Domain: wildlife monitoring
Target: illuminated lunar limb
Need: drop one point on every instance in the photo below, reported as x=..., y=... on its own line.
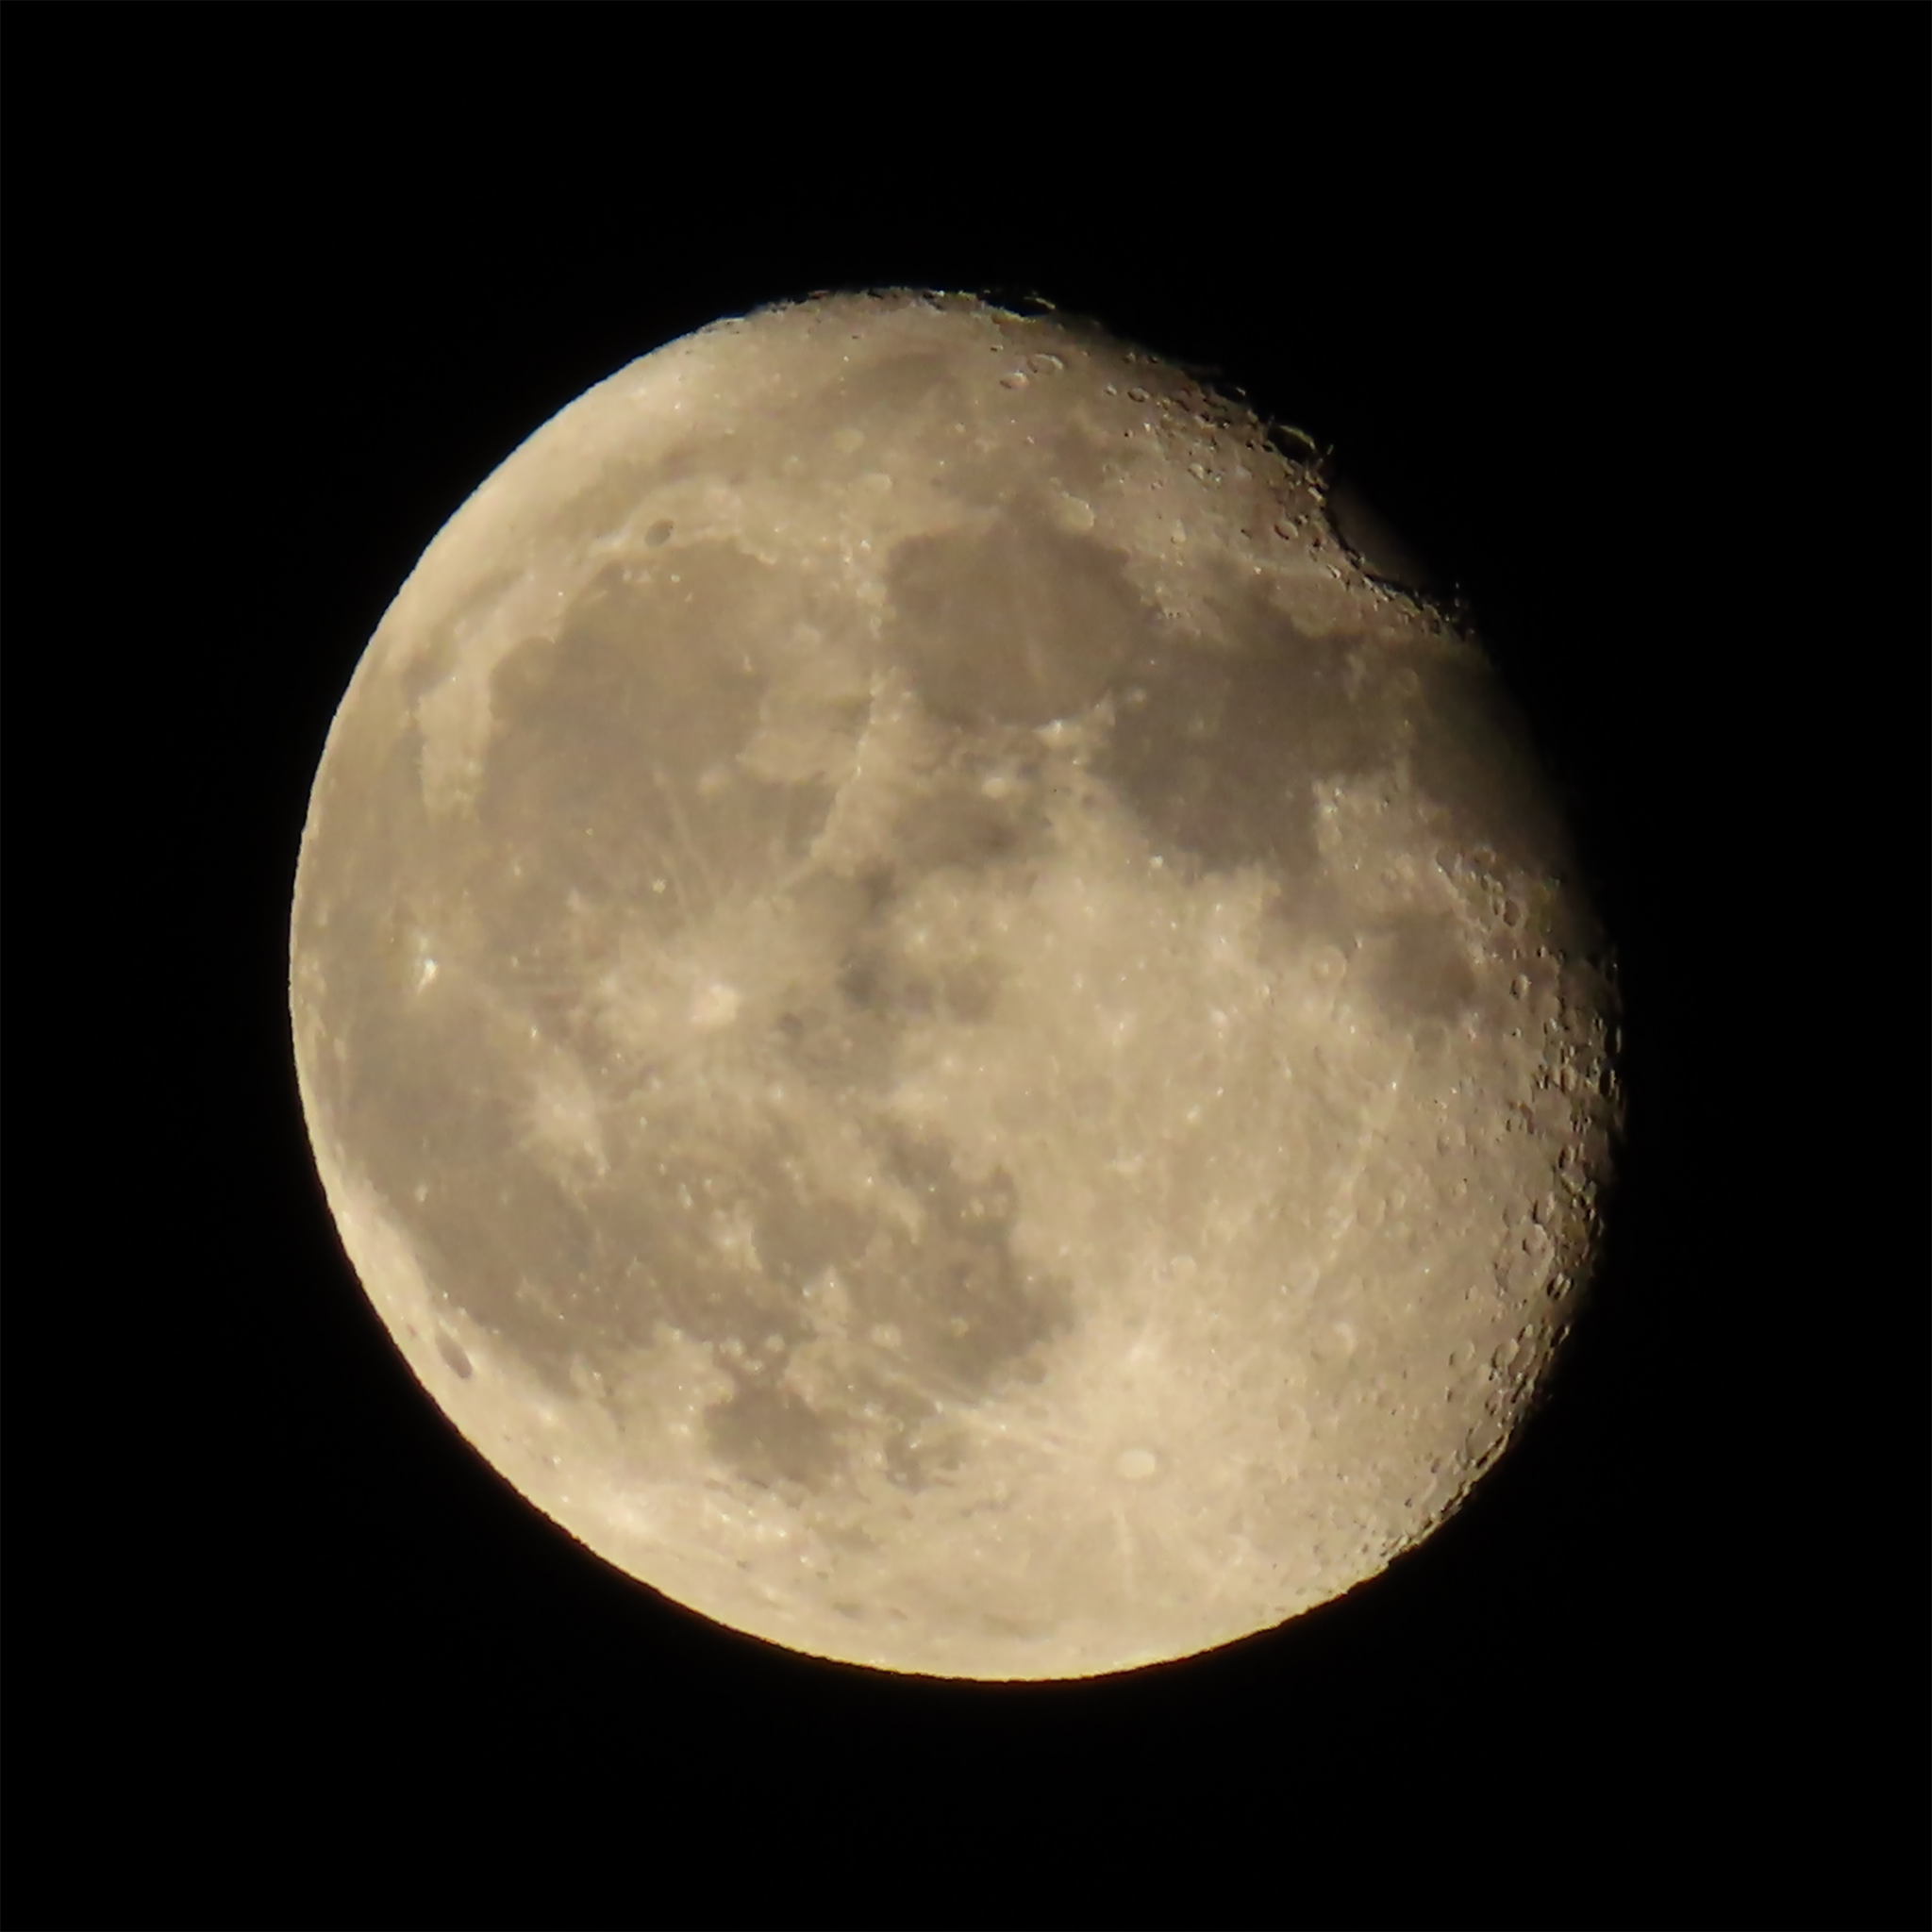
x=932, y=1018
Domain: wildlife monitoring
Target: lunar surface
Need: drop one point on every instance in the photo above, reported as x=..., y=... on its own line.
x=934, y=1017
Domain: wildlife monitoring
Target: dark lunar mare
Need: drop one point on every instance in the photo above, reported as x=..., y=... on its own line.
x=601, y=801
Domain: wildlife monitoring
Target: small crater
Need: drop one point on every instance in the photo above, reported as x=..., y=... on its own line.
x=451, y=1351
x=658, y=534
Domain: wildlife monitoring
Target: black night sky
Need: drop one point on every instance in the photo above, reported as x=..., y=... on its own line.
x=331, y=1571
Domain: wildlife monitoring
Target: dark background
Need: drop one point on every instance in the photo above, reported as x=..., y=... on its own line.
x=1523, y=383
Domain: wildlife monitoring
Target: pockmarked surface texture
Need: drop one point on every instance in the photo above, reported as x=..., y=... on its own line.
x=931, y=1018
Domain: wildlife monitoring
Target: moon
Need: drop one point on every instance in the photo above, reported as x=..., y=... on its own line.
x=938, y=1013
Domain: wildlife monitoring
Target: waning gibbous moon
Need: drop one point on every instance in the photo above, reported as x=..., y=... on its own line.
x=934, y=1018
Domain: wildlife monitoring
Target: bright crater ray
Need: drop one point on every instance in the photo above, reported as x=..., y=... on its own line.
x=930, y=1018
